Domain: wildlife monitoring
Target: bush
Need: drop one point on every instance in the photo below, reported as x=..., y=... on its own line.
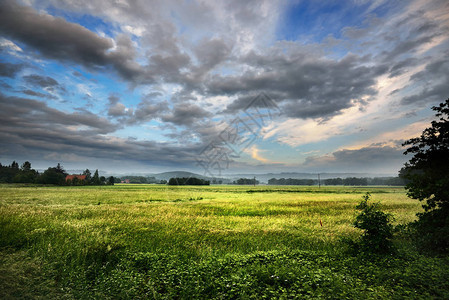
x=377, y=227
x=432, y=231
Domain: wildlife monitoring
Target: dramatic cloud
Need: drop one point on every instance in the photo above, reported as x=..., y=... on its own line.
x=156, y=82
x=26, y=113
x=372, y=159
x=56, y=38
x=436, y=77
x=186, y=114
x=41, y=130
x=9, y=70
x=306, y=88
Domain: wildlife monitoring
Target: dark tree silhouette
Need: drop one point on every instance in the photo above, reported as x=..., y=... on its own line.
x=428, y=175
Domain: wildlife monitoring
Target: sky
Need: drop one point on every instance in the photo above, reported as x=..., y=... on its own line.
x=219, y=87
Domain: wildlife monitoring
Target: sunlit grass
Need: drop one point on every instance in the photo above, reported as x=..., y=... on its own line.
x=220, y=219
x=83, y=230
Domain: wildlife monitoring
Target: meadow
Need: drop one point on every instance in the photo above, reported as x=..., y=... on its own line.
x=209, y=242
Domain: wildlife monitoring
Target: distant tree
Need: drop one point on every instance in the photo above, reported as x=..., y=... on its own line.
x=428, y=175
x=25, y=174
x=7, y=173
x=75, y=181
x=14, y=165
x=60, y=169
x=246, y=181
x=96, y=178
x=355, y=181
x=88, y=175
x=188, y=181
x=111, y=180
x=52, y=176
x=26, y=166
x=333, y=181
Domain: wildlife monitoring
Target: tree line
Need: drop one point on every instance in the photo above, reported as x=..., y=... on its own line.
x=352, y=181
x=141, y=179
x=188, y=181
x=14, y=173
x=246, y=181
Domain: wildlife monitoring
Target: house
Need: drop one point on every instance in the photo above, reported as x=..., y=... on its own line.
x=79, y=177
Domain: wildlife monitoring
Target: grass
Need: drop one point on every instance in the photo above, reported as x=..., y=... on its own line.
x=153, y=241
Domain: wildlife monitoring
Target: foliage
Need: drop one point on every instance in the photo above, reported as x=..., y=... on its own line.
x=292, y=181
x=88, y=175
x=141, y=179
x=376, y=225
x=188, y=181
x=96, y=178
x=111, y=180
x=53, y=176
x=246, y=181
x=427, y=172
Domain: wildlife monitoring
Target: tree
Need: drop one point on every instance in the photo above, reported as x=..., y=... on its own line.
x=427, y=172
x=111, y=180
x=52, y=176
x=96, y=178
x=26, y=166
x=60, y=169
x=88, y=175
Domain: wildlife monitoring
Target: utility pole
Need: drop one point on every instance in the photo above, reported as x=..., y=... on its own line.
x=319, y=181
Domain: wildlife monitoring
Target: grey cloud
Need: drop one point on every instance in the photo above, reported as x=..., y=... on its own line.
x=186, y=114
x=169, y=67
x=118, y=110
x=211, y=53
x=9, y=70
x=5, y=86
x=30, y=129
x=373, y=158
x=407, y=46
x=113, y=99
x=402, y=66
x=435, y=77
x=58, y=39
x=147, y=110
x=37, y=94
x=409, y=33
x=42, y=81
x=305, y=88
x=21, y=112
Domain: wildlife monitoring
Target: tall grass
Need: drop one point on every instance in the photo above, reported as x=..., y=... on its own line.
x=93, y=240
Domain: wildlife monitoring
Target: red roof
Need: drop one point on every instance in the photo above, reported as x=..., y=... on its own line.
x=71, y=177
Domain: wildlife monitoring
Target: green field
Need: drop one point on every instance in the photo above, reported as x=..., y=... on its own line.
x=155, y=241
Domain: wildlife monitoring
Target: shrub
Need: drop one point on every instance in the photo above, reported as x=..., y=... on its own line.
x=376, y=226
